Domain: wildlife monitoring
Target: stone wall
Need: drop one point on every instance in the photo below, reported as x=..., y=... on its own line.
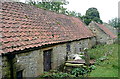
x=58, y=55
x=31, y=63
x=8, y=66
x=5, y=67
x=101, y=36
x=0, y=66
x=92, y=42
x=78, y=46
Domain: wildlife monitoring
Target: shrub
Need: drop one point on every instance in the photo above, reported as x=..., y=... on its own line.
x=79, y=71
x=92, y=67
x=55, y=74
x=60, y=75
x=45, y=75
x=83, y=57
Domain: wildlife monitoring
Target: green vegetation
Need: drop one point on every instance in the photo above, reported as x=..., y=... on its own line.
x=55, y=74
x=82, y=71
x=106, y=60
x=56, y=6
x=106, y=65
x=92, y=14
x=74, y=72
x=115, y=22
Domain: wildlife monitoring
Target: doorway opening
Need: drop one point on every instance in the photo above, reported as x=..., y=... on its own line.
x=47, y=60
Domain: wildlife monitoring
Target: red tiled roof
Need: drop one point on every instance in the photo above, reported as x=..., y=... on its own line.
x=106, y=30
x=23, y=26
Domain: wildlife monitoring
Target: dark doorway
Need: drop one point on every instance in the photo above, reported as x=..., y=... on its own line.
x=19, y=74
x=47, y=60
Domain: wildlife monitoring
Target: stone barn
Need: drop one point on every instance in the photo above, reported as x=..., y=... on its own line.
x=102, y=33
x=34, y=40
x=111, y=28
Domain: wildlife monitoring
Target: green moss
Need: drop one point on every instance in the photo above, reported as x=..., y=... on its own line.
x=58, y=22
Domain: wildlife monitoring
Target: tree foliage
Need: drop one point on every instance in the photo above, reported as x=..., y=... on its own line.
x=10, y=0
x=73, y=13
x=92, y=14
x=115, y=22
x=52, y=5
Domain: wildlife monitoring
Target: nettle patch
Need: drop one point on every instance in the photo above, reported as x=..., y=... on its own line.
x=75, y=72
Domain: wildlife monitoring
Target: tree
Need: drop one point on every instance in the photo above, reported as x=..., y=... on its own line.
x=52, y=5
x=86, y=19
x=10, y=0
x=73, y=13
x=115, y=22
x=92, y=14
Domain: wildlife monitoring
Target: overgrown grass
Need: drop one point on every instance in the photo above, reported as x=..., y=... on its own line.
x=108, y=67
